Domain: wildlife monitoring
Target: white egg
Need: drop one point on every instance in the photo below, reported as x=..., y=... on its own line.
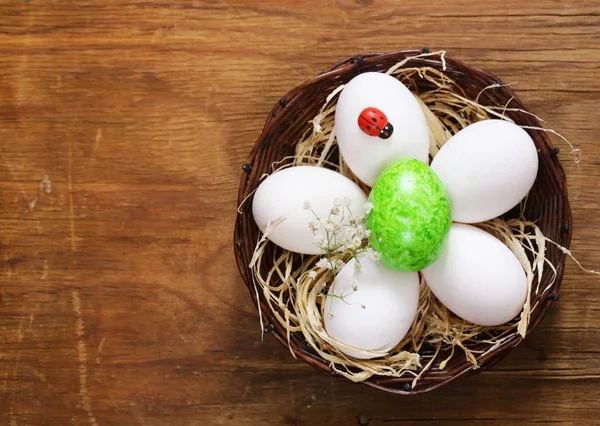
x=477, y=277
x=377, y=310
x=487, y=168
x=286, y=193
x=367, y=155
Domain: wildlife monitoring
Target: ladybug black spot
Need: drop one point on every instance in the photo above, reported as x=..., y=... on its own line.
x=374, y=119
x=368, y=127
x=381, y=118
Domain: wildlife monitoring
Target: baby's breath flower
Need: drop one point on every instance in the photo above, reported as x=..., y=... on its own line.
x=357, y=242
x=360, y=232
x=337, y=202
x=349, y=243
x=368, y=206
x=329, y=227
x=312, y=275
x=349, y=234
x=373, y=255
x=323, y=263
x=337, y=227
x=357, y=266
x=352, y=220
x=314, y=225
x=367, y=233
x=306, y=205
x=379, y=239
x=335, y=211
x=339, y=264
x=347, y=201
x=320, y=241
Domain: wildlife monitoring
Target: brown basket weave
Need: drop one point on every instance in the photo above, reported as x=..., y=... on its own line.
x=547, y=204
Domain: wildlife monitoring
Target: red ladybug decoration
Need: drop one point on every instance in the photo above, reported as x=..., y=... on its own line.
x=374, y=123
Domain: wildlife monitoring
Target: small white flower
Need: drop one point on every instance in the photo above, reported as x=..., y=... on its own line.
x=337, y=227
x=373, y=255
x=306, y=205
x=312, y=275
x=368, y=206
x=335, y=211
x=360, y=232
x=329, y=227
x=314, y=225
x=357, y=242
x=330, y=315
x=337, y=201
x=323, y=263
x=379, y=239
x=357, y=266
x=367, y=233
x=351, y=220
x=349, y=242
x=347, y=201
x=339, y=264
x=363, y=306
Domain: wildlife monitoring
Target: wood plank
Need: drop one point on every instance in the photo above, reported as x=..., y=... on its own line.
x=123, y=126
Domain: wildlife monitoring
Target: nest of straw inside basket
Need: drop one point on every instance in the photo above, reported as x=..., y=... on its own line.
x=297, y=300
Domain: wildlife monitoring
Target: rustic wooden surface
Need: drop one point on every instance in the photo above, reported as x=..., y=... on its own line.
x=123, y=125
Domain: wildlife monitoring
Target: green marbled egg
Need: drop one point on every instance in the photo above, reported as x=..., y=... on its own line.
x=411, y=216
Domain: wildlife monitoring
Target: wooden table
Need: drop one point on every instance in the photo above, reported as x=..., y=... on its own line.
x=123, y=126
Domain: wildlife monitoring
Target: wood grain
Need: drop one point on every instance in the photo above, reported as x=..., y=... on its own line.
x=123, y=125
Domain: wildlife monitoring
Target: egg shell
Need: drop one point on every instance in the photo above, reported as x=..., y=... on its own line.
x=487, y=168
x=284, y=193
x=390, y=299
x=410, y=216
x=477, y=277
x=367, y=156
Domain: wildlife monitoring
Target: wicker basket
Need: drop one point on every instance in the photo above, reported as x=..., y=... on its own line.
x=289, y=119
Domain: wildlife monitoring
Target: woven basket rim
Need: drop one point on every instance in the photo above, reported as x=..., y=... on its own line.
x=356, y=64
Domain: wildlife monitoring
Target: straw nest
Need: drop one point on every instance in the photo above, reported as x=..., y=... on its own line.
x=439, y=346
